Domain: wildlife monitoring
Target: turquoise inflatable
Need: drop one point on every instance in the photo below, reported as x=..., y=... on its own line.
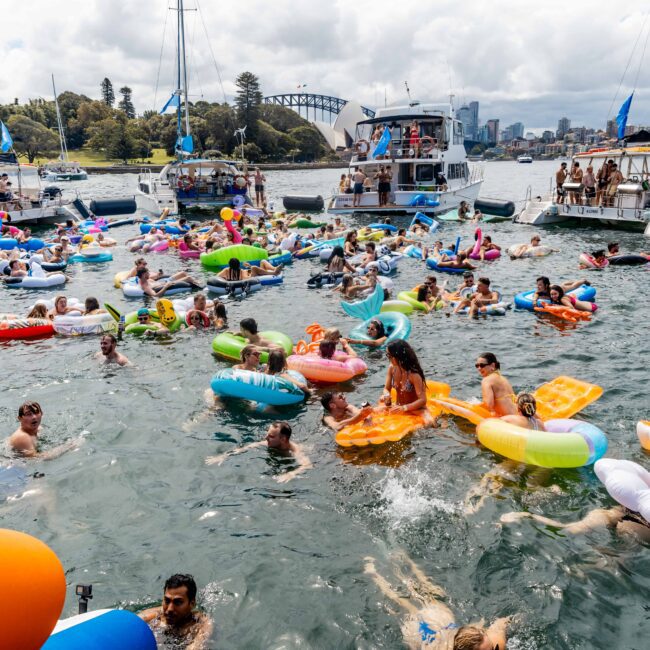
x=258, y=386
x=396, y=324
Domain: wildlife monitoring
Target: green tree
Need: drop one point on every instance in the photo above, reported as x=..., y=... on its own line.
x=126, y=104
x=477, y=150
x=309, y=141
x=281, y=118
x=247, y=101
x=220, y=128
x=108, y=96
x=31, y=139
x=252, y=152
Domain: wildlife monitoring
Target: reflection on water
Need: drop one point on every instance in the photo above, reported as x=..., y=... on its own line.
x=281, y=566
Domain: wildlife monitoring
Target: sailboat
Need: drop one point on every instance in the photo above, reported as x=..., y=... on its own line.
x=62, y=169
x=189, y=183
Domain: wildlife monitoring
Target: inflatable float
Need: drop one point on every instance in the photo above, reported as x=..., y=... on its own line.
x=492, y=254
x=565, y=443
x=258, y=387
x=627, y=483
x=341, y=367
x=241, y=287
x=25, y=328
x=524, y=299
x=630, y=260
x=396, y=326
x=643, y=433
x=230, y=346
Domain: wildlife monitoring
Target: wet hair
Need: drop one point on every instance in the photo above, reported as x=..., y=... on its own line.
x=326, y=349
x=526, y=405
x=249, y=324
x=209, y=245
x=559, y=289
x=350, y=236
x=140, y=272
x=490, y=358
x=220, y=310
x=612, y=245
x=140, y=260
x=545, y=281
x=337, y=251
x=285, y=428
x=91, y=304
x=422, y=292
x=487, y=238
x=111, y=337
x=598, y=253
x=235, y=267
x=405, y=356
x=277, y=362
x=402, y=232
x=381, y=330
x=29, y=408
x=179, y=580
x=331, y=333
x=38, y=311
x=326, y=400
x=485, y=281
x=469, y=637
x=246, y=350
x=347, y=281
x=371, y=245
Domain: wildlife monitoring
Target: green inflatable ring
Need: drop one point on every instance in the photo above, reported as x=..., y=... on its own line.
x=229, y=345
x=411, y=298
x=133, y=327
x=219, y=259
x=305, y=223
x=401, y=306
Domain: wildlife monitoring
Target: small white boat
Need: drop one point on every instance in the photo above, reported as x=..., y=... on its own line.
x=524, y=158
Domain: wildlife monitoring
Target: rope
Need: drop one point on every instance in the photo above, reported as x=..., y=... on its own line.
x=214, y=60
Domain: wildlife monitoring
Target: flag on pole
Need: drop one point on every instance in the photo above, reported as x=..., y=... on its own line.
x=621, y=118
x=173, y=102
x=382, y=145
x=6, y=142
x=185, y=143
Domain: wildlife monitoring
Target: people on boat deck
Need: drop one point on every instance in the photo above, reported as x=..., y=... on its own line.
x=576, y=177
x=589, y=183
x=383, y=178
x=358, y=178
x=429, y=623
x=602, y=179
x=526, y=416
x=277, y=440
x=560, y=177
x=338, y=413
x=498, y=396
x=615, y=179
x=108, y=351
x=177, y=620
x=441, y=182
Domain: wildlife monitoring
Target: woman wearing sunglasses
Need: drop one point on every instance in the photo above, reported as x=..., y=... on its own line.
x=498, y=395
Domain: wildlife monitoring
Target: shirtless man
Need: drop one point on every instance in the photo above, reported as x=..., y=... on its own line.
x=278, y=439
x=481, y=298
x=24, y=439
x=560, y=177
x=358, y=177
x=248, y=329
x=429, y=623
x=498, y=395
x=157, y=291
x=109, y=353
x=468, y=283
x=177, y=617
x=339, y=414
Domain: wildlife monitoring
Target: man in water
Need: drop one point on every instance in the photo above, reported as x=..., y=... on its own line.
x=177, y=616
x=481, y=298
x=109, y=353
x=339, y=414
x=249, y=330
x=24, y=439
x=278, y=438
x=155, y=328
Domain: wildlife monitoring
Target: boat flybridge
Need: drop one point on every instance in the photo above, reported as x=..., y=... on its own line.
x=191, y=184
x=625, y=206
x=420, y=147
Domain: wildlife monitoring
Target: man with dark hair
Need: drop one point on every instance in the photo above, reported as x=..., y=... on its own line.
x=249, y=330
x=482, y=297
x=177, y=616
x=339, y=414
x=109, y=353
x=24, y=439
x=278, y=439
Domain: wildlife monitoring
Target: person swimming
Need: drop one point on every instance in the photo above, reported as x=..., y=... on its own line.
x=498, y=395
x=527, y=414
x=376, y=333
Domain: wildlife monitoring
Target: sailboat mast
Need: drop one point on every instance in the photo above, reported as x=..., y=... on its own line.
x=64, y=148
x=179, y=129
x=182, y=37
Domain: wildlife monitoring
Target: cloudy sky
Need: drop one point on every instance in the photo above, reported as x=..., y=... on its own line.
x=524, y=61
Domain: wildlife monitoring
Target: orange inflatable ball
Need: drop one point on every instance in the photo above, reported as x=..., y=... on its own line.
x=226, y=214
x=34, y=577
x=236, y=215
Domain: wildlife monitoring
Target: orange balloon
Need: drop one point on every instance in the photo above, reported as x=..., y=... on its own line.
x=34, y=577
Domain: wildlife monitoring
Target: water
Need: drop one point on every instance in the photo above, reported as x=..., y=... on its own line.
x=281, y=565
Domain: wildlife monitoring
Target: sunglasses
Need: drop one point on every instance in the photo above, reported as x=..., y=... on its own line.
x=143, y=318
x=481, y=365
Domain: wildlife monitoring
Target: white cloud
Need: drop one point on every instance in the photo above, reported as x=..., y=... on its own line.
x=532, y=62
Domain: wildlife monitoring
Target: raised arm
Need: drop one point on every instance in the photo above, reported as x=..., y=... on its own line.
x=217, y=460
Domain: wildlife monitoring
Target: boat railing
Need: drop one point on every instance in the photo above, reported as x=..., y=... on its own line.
x=427, y=149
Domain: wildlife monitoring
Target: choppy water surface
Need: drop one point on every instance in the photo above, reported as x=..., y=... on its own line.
x=281, y=565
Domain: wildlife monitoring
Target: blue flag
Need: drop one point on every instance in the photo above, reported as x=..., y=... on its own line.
x=5, y=141
x=187, y=144
x=621, y=118
x=382, y=145
x=173, y=102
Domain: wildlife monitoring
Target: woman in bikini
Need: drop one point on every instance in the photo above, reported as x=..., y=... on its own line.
x=527, y=414
x=406, y=377
x=498, y=395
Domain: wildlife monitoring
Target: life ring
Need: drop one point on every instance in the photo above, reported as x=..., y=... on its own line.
x=205, y=319
x=358, y=146
x=185, y=183
x=240, y=182
x=427, y=144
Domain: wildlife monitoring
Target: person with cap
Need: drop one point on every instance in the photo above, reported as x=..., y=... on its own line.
x=155, y=328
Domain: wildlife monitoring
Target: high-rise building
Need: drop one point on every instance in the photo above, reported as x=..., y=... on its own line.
x=492, y=130
x=548, y=136
x=563, y=126
x=473, y=111
x=468, y=115
x=612, y=129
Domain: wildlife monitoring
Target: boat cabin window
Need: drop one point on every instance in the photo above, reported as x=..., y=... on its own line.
x=459, y=137
x=424, y=173
x=457, y=170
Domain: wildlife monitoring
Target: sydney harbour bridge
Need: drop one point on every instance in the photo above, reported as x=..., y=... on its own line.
x=323, y=104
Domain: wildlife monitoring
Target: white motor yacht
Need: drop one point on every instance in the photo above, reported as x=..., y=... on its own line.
x=423, y=157
x=524, y=158
x=626, y=205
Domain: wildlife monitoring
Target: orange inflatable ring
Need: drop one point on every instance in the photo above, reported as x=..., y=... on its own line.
x=185, y=183
x=427, y=143
x=358, y=147
x=34, y=577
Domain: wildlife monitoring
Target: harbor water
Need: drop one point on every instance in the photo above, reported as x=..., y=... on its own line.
x=282, y=565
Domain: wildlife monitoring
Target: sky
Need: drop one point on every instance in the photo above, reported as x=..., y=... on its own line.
x=532, y=62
